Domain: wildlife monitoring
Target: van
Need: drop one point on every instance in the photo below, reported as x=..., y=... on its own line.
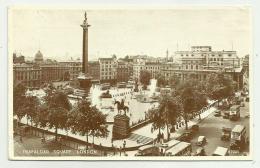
x=234, y=112
x=220, y=151
x=238, y=137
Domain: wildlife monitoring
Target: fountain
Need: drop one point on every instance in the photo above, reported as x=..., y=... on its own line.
x=149, y=96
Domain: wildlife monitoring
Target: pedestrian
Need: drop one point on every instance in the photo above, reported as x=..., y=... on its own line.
x=124, y=144
x=120, y=150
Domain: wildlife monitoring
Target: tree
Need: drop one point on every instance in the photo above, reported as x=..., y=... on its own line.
x=161, y=82
x=188, y=101
x=157, y=119
x=192, y=96
x=171, y=109
x=32, y=104
x=87, y=120
x=42, y=117
x=18, y=101
x=174, y=81
x=98, y=124
x=58, y=106
x=219, y=86
x=167, y=113
x=145, y=77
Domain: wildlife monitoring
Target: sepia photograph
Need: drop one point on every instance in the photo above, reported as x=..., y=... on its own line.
x=130, y=83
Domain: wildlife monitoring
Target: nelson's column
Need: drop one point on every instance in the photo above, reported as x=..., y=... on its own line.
x=84, y=77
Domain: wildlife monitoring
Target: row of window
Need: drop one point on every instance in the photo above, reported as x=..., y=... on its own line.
x=107, y=73
x=192, y=66
x=216, y=59
x=213, y=55
x=107, y=77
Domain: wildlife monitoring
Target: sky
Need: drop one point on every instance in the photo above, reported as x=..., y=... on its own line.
x=57, y=32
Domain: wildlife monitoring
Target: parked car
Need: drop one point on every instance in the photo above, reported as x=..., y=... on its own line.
x=226, y=115
x=242, y=104
x=235, y=146
x=201, y=141
x=200, y=152
x=217, y=113
x=226, y=134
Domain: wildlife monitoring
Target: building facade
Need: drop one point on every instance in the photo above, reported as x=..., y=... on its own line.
x=53, y=72
x=28, y=75
x=154, y=67
x=34, y=75
x=123, y=71
x=108, y=70
x=94, y=70
x=74, y=66
x=201, y=61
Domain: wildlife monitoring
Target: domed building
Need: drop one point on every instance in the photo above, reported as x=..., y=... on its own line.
x=38, y=58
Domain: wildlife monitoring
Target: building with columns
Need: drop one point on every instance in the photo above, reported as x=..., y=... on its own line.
x=201, y=61
x=27, y=74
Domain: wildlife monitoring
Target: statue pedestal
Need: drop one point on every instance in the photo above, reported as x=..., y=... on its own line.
x=85, y=82
x=121, y=127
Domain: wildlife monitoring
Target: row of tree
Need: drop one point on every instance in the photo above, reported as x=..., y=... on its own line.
x=55, y=111
x=188, y=97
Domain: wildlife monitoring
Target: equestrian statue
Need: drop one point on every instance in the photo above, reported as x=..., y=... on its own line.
x=121, y=106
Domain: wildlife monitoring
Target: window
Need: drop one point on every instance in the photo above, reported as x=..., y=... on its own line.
x=229, y=55
x=192, y=55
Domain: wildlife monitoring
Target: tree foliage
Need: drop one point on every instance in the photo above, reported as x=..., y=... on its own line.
x=219, y=86
x=192, y=97
x=18, y=100
x=32, y=104
x=161, y=81
x=58, y=107
x=167, y=113
x=87, y=120
x=145, y=77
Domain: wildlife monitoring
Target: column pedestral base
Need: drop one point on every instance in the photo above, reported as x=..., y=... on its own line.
x=121, y=128
x=85, y=81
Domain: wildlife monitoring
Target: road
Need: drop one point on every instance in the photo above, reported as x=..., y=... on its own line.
x=211, y=128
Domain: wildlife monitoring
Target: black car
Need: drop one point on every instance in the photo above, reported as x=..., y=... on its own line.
x=217, y=113
x=226, y=115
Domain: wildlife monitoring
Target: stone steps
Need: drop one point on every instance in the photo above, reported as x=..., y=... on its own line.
x=142, y=139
